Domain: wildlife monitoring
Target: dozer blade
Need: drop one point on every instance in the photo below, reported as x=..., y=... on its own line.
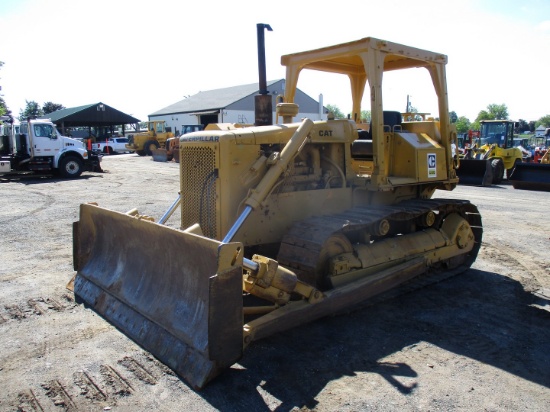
x=176, y=294
x=475, y=172
x=531, y=176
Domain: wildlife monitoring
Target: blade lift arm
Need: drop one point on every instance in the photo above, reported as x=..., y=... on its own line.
x=263, y=276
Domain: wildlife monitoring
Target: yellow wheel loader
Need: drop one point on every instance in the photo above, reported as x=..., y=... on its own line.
x=171, y=148
x=283, y=224
x=144, y=143
x=490, y=155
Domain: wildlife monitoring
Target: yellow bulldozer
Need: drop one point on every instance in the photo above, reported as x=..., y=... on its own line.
x=143, y=143
x=285, y=223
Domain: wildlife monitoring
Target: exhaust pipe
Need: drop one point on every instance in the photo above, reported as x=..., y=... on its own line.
x=263, y=106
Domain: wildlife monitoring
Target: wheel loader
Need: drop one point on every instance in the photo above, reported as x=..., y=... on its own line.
x=490, y=155
x=154, y=137
x=284, y=224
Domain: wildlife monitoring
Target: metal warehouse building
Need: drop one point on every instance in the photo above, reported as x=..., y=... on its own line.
x=232, y=105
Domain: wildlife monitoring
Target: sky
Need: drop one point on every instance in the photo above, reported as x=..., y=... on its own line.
x=141, y=56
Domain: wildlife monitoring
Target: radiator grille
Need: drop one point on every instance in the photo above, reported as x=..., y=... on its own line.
x=198, y=189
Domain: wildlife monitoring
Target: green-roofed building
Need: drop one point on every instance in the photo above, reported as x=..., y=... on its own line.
x=96, y=115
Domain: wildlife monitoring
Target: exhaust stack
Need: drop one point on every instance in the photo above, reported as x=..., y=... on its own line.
x=263, y=106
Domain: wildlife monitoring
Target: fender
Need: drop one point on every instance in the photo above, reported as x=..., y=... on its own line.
x=81, y=153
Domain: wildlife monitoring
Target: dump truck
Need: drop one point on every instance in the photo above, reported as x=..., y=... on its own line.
x=143, y=143
x=491, y=154
x=284, y=224
x=36, y=147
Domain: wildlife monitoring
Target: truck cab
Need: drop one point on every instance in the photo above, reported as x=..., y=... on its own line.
x=500, y=132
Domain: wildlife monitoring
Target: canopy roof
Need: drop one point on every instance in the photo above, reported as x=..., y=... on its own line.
x=348, y=58
x=96, y=114
x=367, y=59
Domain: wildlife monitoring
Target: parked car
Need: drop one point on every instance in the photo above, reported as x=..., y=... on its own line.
x=112, y=145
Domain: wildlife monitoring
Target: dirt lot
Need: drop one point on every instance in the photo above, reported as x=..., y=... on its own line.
x=478, y=341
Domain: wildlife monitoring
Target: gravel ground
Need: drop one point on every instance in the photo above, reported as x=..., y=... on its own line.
x=478, y=341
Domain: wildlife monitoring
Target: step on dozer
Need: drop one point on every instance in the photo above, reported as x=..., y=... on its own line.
x=475, y=172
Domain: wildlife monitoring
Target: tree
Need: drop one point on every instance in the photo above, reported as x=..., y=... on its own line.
x=335, y=110
x=4, y=111
x=493, y=112
x=462, y=124
x=366, y=116
x=32, y=110
x=544, y=121
x=498, y=111
x=453, y=116
x=3, y=107
x=50, y=107
x=523, y=126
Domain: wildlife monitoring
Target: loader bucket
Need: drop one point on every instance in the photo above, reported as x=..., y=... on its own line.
x=176, y=294
x=531, y=176
x=159, y=155
x=475, y=172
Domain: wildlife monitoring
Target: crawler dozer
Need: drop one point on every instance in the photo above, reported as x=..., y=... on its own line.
x=284, y=224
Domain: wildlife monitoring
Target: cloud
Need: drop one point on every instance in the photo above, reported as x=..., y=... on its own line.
x=543, y=26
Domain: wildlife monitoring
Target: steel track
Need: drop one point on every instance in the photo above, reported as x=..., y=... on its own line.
x=303, y=245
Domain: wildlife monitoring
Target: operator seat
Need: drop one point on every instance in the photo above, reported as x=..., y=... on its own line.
x=362, y=147
x=392, y=119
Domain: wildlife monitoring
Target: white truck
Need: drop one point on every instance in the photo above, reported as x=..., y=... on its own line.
x=111, y=145
x=39, y=147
